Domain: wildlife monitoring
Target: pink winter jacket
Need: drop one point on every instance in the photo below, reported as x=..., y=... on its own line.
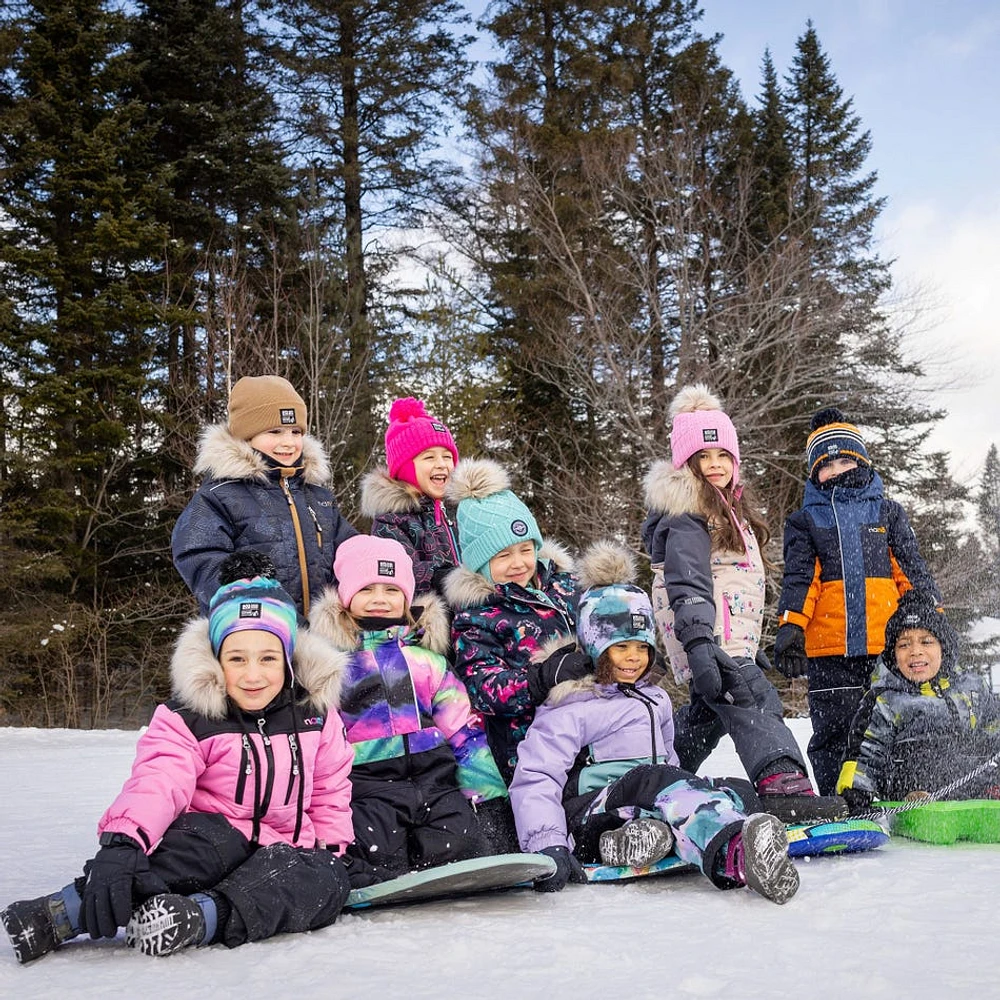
x=282, y=774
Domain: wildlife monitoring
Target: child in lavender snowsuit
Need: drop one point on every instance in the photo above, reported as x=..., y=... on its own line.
x=232, y=824
x=426, y=789
x=508, y=599
x=597, y=776
x=405, y=499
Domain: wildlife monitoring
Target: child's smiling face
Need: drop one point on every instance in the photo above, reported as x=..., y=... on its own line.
x=629, y=660
x=432, y=469
x=918, y=654
x=378, y=600
x=514, y=564
x=253, y=666
x=716, y=465
x=283, y=444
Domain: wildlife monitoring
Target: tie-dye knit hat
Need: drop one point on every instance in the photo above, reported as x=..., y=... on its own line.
x=833, y=437
x=612, y=608
x=413, y=430
x=698, y=423
x=252, y=602
x=490, y=517
x=362, y=560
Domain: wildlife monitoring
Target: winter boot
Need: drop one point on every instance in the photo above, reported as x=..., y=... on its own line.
x=37, y=926
x=758, y=858
x=638, y=843
x=790, y=796
x=165, y=924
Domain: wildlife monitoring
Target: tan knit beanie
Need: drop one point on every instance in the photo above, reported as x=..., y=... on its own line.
x=260, y=402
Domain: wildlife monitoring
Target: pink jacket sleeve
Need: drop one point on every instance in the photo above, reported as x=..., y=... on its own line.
x=330, y=804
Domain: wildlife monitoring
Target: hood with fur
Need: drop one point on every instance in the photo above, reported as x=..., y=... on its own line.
x=222, y=456
x=465, y=589
x=381, y=494
x=334, y=623
x=671, y=491
x=198, y=682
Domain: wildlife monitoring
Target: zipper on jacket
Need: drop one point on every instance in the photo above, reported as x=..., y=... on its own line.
x=265, y=800
x=317, y=526
x=630, y=691
x=246, y=769
x=293, y=747
x=299, y=544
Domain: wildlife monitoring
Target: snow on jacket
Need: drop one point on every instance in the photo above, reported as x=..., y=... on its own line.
x=698, y=591
x=400, y=699
x=424, y=526
x=584, y=737
x=922, y=736
x=850, y=554
x=495, y=630
x=250, y=502
x=278, y=775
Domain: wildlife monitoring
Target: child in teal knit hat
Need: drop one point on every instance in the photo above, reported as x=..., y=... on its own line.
x=511, y=595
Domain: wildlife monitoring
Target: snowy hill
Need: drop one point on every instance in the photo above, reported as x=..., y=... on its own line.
x=908, y=920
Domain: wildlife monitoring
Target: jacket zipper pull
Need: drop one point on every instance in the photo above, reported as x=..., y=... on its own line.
x=287, y=492
x=317, y=525
x=294, y=747
x=261, y=722
x=246, y=749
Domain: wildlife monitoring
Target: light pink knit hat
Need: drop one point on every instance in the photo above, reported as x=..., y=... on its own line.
x=413, y=430
x=699, y=422
x=362, y=560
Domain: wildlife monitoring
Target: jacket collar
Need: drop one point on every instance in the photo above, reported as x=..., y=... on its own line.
x=222, y=456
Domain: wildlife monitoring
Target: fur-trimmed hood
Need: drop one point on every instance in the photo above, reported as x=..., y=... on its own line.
x=222, y=456
x=671, y=491
x=464, y=588
x=381, y=494
x=334, y=623
x=198, y=683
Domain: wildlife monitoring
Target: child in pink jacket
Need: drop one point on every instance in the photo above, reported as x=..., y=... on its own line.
x=232, y=823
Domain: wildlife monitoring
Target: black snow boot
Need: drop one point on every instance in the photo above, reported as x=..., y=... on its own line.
x=36, y=926
x=165, y=924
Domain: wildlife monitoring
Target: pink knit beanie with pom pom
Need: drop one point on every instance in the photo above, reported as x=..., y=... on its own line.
x=413, y=430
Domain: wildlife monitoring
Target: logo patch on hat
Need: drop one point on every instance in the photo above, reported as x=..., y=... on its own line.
x=250, y=609
x=710, y=434
x=833, y=451
x=287, y=415
x=440, y=428
x=638, y=622
x=386, y=567
x=518, y=528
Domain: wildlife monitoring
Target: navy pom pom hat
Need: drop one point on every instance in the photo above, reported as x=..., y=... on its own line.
x=833, y=437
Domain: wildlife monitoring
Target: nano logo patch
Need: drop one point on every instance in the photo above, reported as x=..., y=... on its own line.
x=518, y=528
x=386, y=567
x=314, y=720
x=877, y=529
x=833, y=451
x=710, y=434
x=287, y=415
x=250, y=609
x=440, y=428
x=911, y=620
x=638, y=622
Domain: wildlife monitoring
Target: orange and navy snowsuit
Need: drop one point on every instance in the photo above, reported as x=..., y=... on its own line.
x=850, y=554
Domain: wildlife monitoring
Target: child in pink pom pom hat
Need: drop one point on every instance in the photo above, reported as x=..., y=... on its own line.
x=405, y=498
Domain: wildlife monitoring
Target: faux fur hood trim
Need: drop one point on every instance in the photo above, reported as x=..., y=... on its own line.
x=198, y=683
x=476, y=478
x=329, y=619
x=464, y=588
x=553, y=645
x=606, y=563
x=222, y=456
x=381, y=494
x=566, y=690
x=671, y=491
x=694, y=397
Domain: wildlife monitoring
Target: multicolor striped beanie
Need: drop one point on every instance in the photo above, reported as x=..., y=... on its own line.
x=833, y=437
x=413, y=430
x=254, y=603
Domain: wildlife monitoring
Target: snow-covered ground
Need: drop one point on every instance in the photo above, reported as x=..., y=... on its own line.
x=908, y=920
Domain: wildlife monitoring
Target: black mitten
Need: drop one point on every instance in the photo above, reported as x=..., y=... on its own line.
x=790, y=651
x=735, y=689
x=568, y=869
x=858, y=800
x=496, y=826
x=705, y=676
x=114, y=873
x=565, y=664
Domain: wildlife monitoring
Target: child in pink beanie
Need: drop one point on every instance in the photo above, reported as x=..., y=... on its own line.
x=405, y=499
x=425, y=788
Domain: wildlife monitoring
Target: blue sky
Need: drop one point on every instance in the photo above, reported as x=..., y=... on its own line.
x=925, y=79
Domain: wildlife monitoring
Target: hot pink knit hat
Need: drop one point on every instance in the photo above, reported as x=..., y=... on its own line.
x=362, y=560
x=699, y=423
x=413, y=430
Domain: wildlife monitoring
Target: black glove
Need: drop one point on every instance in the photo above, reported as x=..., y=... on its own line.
x=565, y=664
x=790, y=651
x=568, y=869
x=715, y=675
x=360, y=874
x=858, y=800
x=496, y=826
x=762, y=661
x=115, y=871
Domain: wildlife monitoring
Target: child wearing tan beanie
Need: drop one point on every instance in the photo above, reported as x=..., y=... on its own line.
x=265, y=489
